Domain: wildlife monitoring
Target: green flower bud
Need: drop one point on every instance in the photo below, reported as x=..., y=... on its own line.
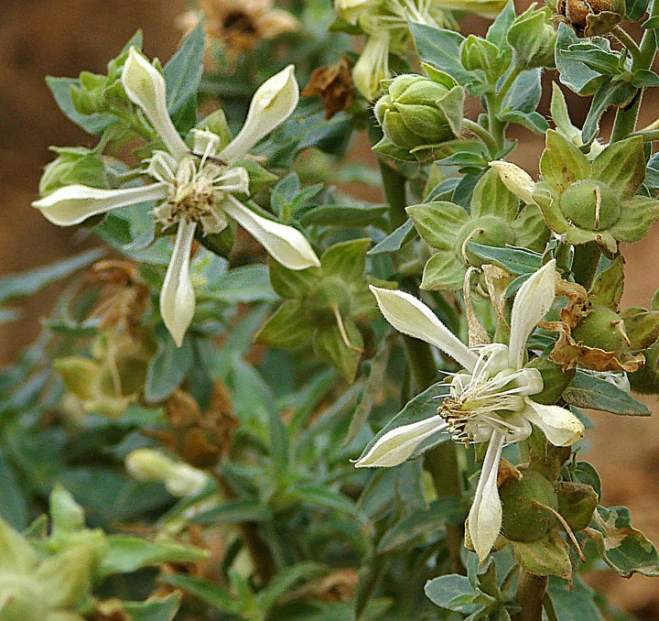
x=72, y=166
x=523, y=519
x=554, y=380
x=487, y=231
x=576, y=503
x=602, y=328
x=478, y=54
x=590, y=205
x=88, y=97
x=533, y=38
x=410, y=114
x=322, y=298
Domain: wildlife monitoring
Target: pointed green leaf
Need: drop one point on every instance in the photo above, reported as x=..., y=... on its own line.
x=347, y=260
x=610, y=93
x=492, y=197
x=514, y=260
x=205, y=590
x=621, y=166
x=562, y=163
x=287, y=328
x=547, y=556
x=609, y=286
x=331, y=348
x=404, y=234
x=452, y=592
x=292, y=284
x=443, y=271
x=168, y=368
x=637, y=216
x=588, y=391
x=155, y=608
x=438, y=222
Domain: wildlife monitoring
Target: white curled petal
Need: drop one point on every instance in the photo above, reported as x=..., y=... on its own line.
x=177, y=298
x=532, y=302
x=412, y=317
x=397, y=445
x=486, y=512
x=73, y=204
x=162, y=167
x=516, y=179
x=271, y=105
x=146, y=88
x=373, y=66
x=205, y=143
x=561, y=427
x=284, y=243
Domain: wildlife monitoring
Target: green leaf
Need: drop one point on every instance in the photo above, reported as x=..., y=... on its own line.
x=13, y=507
x=497, y=33
x=347, y=260
x=588, y=391
x=638, y=214
x=635, y=10
x=562, y=163
x=154, y=609
x=621, y=166
x=330, y=347
x=441, y=48
x=524, y=95
x=182, y=77
x=61, y=90
x=574, y=74
x=128, y=554
x=642, y=78
x=284, y=581
x=250, y=283
x=547, y=556
x=286, y=328
x=452, y=592
x=492, y=198
x=324, y=498
x=421, y=523
x=532, y=121
x=573, y=602
x=623, y=547
x=404, y=234
x=438, y=222
x=205, y=590
x=594, y=57
x=168, y=368
x=343, y=215
x=609, y=286
x=514, y=260
x=14, y=286
x=235, y=512
x=443, y=271
x=610, y=93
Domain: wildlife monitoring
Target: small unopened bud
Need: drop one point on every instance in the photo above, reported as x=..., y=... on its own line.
x=532, y=36
x=179, y=478
x=516, y=179
x=478, y=54
x=411, y=114
x=602, y=328
x=590, y=205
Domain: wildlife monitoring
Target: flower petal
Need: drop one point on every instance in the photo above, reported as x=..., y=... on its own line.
x=177, y=298
x=486, y=512
x=146, y=88
x=412, y=317
x=73, y=204
x=271, y=105
x=561, y=427
x=286, y=245
x=373, y=66
x=395, y=446
x=532, y=302
x=516, y=179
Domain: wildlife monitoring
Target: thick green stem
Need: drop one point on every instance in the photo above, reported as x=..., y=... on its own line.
x=394, y=185
x=494, y=102
x=584, y=266
x=632, y=47
x=625, y=122
x=530, y=591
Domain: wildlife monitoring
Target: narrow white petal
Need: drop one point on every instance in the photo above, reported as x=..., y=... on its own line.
x=271, y=105
x=532, y=302
x=516, y=179
x=146, y=88
x=284, y=243
x=162, y=167
x=561, y=427
x=412, y=317
x=177, y=298
x=205, y=143
x=397, y=445
x=486, y=512
x=73, y=204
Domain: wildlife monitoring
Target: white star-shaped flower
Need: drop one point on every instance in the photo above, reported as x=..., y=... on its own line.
x=195, y=187
x=490, y=401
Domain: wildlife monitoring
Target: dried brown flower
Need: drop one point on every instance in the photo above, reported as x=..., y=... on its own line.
x=334, y=85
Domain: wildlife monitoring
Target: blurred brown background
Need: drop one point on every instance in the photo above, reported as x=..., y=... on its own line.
x=64, y=37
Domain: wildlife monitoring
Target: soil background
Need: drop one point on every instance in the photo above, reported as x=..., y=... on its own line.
x=64, y=37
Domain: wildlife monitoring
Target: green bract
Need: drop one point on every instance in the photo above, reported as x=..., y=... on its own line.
x=595, y=202
x=533, y=38
x=323, y=305
x=494, y=219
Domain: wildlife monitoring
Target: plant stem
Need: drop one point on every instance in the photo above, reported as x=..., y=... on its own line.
x=483, y=135
x=441, y=462
x=530, y=591
x=648, y=135
x=632, y=47
x=259, y=552
x=584, y=266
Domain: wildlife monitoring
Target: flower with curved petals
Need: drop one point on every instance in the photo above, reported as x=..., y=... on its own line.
x=489, y=402
x=195, y=187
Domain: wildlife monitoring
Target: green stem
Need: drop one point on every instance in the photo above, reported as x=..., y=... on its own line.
x=632, y=47
x=394, y=185
x=530, y=591
x=482, y=134
x=625, y=122
x=584, y=265
x=494, y=102
x=651, y=135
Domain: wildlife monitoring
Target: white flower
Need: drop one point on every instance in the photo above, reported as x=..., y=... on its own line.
x=195, y=187
x=488, y=402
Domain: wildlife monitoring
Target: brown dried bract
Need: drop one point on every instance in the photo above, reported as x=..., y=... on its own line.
x=199, y=439
x=577, y=303
x=334, y=85
x=569, y=353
